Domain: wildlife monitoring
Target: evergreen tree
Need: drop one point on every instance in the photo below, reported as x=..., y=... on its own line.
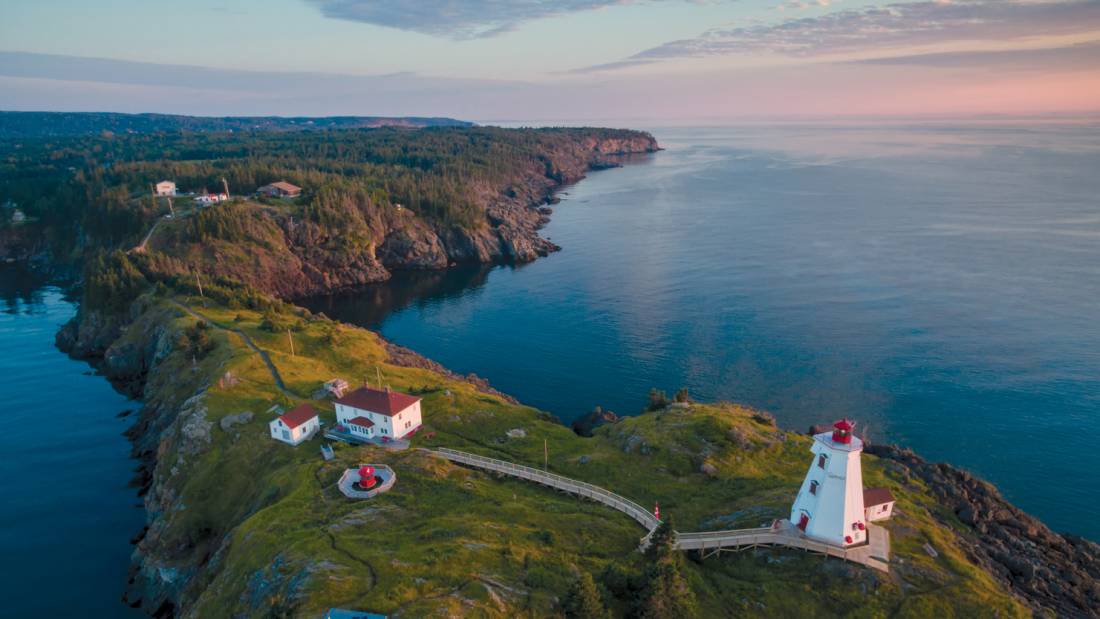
x=666, y=594
x=584, y=600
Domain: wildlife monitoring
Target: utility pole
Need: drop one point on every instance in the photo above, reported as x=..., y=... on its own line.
x=170, y=209
x=198, y=283
x=225, y=185
x=291, y=338
x=545, y=456
x=378, y=372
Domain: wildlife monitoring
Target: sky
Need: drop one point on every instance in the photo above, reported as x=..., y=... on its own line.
x=567, y=60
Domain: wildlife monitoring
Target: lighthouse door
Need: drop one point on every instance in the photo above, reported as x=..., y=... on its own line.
x=803, y=521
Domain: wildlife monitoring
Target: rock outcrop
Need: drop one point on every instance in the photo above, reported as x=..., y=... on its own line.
x=586, y=424
x=1051, y=572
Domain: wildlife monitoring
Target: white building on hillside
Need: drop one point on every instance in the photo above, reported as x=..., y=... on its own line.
x=207, y=199
x=373, y=413
x=296, y=425
x=829, y=507
x=878, y=504
x=166, y=188
x=336, y=387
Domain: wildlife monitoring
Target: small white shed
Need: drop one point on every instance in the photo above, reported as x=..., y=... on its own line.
x=296, y=425
x=878, y=504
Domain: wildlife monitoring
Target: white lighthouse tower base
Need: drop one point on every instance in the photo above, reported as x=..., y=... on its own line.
x=829, y=505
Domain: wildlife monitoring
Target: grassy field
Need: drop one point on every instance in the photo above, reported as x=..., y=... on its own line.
x=277, y=538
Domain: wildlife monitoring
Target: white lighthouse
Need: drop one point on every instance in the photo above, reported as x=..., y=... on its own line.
x=829, y=506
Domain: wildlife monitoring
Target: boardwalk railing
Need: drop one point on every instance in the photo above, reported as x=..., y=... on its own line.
x=706, y=542
x=642, y=515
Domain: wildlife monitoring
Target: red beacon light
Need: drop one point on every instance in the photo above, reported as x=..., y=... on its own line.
x=842, y=431
x=366, y=476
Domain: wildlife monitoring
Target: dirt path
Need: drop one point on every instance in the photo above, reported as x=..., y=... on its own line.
x=140, y=247
x=248, y=342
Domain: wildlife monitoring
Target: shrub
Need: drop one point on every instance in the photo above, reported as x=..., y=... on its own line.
x=657, y=399
x=584, y=600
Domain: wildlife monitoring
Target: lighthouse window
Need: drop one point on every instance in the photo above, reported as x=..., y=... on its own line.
x=813, y=487
x=821, y=460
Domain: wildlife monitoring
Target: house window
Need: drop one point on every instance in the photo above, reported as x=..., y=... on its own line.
x=821, y=460
x=813, y=487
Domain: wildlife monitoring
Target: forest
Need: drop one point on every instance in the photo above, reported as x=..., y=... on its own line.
x=94, y=191
x=89, y=199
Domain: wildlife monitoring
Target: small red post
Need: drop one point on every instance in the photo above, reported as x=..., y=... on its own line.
x=656, y=510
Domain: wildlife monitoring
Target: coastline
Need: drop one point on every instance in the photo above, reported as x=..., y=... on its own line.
x=1044, y=569
x=131, y=356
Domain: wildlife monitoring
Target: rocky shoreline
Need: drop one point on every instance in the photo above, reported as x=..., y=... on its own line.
x=1050, y=572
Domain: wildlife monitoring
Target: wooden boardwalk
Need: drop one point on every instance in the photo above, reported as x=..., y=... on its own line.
x=874, y=554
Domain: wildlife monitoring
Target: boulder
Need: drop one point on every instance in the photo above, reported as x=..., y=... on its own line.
x=229, y=421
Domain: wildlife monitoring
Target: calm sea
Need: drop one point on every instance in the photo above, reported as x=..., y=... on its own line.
x=67, y=515
x=939, y=283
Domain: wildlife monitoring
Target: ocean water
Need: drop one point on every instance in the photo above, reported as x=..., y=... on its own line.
x=66, y=512
x=938, y=283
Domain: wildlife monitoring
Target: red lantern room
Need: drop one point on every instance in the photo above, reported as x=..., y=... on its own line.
x=366, y=476
x=842, y=431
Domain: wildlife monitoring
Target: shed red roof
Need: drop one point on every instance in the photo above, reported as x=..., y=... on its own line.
x=877, y=496
x=362, y=422
x=387, y=403
x=298, y=415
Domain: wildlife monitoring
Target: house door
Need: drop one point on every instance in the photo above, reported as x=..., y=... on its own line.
x=803, y=521
x=286, y=435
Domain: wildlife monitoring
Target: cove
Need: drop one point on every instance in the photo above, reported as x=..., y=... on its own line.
x=938, y=283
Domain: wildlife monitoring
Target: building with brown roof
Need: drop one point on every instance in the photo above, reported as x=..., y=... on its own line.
x=280, y=189
x=878, y=503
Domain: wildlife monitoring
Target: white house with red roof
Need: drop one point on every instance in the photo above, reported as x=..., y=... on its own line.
x=374, y=413
x=296, y=425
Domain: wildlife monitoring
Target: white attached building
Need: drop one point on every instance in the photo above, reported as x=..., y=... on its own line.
x=829, y=506
x=878, y=504
x=373, y=413
x=296, y=425
x=166, y=188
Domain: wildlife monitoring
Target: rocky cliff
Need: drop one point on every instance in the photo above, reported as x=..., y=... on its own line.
x=1054, y=573
x=290, y=255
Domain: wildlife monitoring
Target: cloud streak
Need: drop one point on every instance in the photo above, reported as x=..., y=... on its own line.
x=456, y=19
x=885, y=28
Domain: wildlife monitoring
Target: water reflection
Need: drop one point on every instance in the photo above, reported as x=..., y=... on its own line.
x=369, y=305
